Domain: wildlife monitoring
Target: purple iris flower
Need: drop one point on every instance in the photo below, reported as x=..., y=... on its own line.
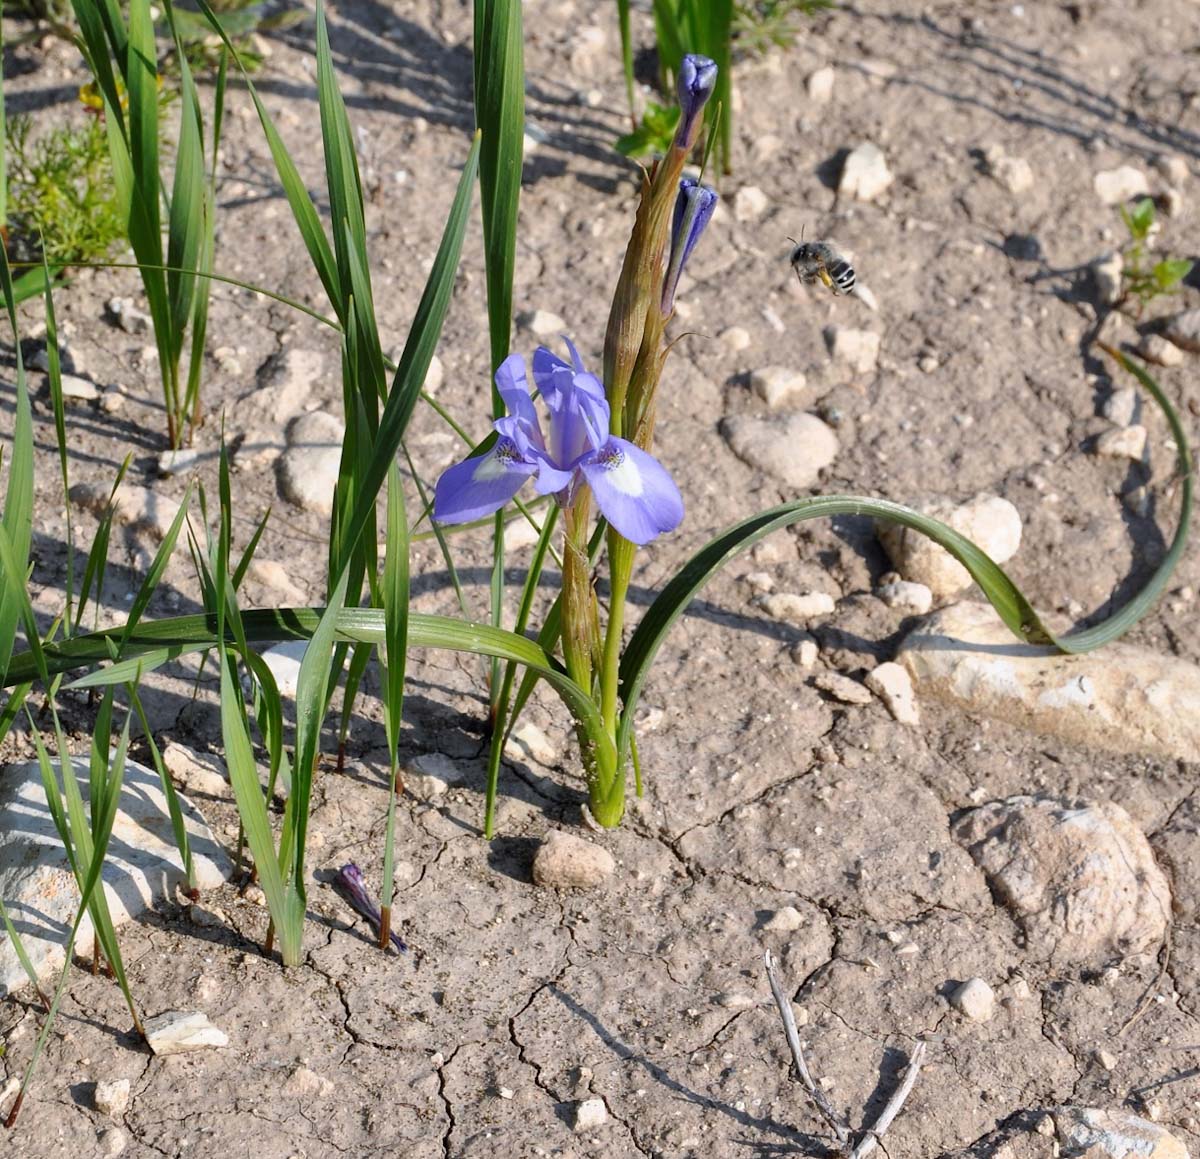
x=694, y=207
x=350, y=881
x=694, y=85
x=633, y=490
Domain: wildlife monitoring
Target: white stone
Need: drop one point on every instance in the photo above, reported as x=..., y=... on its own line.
x=273, y=575
x=1173, y=167
x=820, y=85
x=749, y=203
x=434, y=376
x=1015, y=174
x=128, y=317
x=796, y=608
x=1155, y=348
x=286, y=382
x=786, y=920
x=1122, y=698
x=865, y=174
x=432, y=775
x=793, y=447
x=142, y=870
x=112, y=1098
x=927, y=363
x=181, y=1032
x=991, y=523
x=198, y=772
x=975, y=999
x=805, y=651
x=859, y=349
x=1107, y=278
x=284, y=660
x=305, y=1083
x=565, y=861
x=308, y=470
x=1121, y=407
x=1184, y=330
x=528, y=741
x=906, y=596
x=1102, y=1134
x=1116, y=186
x=590, y=1114
x=893, y=685
x=842, y=688
x=179, y=461
x=1123, y=443
x=542, y=324
x=734, y=338
x=136, y=506
x=112, y=1142
x=76, y=389
x=777, y=384
x=519, y=533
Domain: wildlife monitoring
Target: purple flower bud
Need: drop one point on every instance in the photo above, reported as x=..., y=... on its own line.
x=694, y=85
x=349, y=881
x=693, y=209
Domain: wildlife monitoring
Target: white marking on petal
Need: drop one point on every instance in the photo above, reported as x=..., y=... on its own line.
x=621, y=472
x=493, y=466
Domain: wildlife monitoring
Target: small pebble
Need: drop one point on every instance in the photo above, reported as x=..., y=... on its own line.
x=112, y=1098
x=859, y=349
x=975, y=999
x=564, y=861
x=1184, y=330
x=734, y=338
x=777, y=384
x=1123, y=443
x=906, y=596
x=112, y=1142
x=893, y=685
x=820, y=86
x=181, y=1032
x=786, y=920
x=1121, y=407
x=805, y=652
x=794, y=608
x=590, y=1114
x=842, y=688
x=1155, y=348
x=1116, y=186
x=865, y=174
x=542, y=323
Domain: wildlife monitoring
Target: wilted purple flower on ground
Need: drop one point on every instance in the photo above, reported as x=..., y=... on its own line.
x=694, y=85
x=633, y=490
x=350, y=881
x=693, y=209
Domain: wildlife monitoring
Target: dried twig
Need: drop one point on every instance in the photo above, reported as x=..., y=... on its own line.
x=871, y=1136
x=840, y=1129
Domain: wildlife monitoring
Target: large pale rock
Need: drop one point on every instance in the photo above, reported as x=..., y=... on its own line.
x=1114, y=186
x=792, y=447
x=1100, y=1134
x=143, y=866
x=1122, y=698
x=1079, y=877
x=990, y=522
x=308, y=470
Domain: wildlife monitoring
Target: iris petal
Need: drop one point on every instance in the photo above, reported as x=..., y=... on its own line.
x=477, y=487
x=633, y=490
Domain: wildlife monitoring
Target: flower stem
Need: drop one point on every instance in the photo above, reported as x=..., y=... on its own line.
x=620, y=565
x=578, y=604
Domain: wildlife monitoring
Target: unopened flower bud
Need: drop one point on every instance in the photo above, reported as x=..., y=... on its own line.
x=695, y=83
x=693, y=209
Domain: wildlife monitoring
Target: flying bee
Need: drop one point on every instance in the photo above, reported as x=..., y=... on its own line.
x=819, y=261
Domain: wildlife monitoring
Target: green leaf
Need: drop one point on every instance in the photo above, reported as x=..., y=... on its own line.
x=653, y=135
x=1171, y=271
x=500, y=116
x=1139, y=219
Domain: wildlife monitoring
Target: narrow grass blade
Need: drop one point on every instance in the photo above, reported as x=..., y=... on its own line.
x=627, y=55
x=60, y=434
x=152, y=577
x=395, y=654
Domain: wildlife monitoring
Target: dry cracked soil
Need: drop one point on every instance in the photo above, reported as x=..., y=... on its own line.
x=775, y=815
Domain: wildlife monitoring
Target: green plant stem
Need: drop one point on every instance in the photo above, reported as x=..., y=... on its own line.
x=620, y=568
x=577, y=593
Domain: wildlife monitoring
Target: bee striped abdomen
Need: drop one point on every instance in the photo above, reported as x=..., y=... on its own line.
x=842, y=274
